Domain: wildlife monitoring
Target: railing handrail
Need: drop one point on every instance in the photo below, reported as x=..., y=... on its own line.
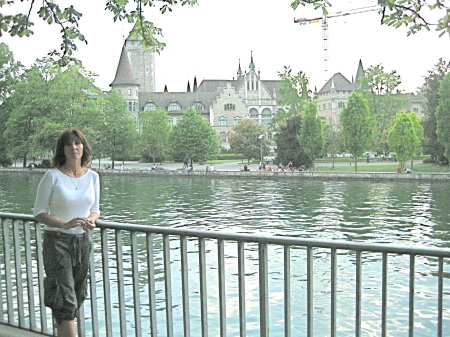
x=268, y=239
x=152, y=269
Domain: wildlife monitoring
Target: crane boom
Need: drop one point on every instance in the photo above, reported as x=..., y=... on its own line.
x=324, y=19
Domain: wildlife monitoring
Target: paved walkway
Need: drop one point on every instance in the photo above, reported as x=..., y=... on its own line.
x=233, y=166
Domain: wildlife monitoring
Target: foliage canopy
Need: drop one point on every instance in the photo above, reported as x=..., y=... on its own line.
x=410, y=13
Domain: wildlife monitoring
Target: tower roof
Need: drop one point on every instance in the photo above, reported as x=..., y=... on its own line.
x=359, y=72
x=124, y=73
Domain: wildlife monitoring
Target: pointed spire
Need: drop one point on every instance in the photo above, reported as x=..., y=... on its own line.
x=165, y=88
x=124, y=73
x=239, y=72
x=252, y=65
x=188, y=87
x=194, y=89
x=359, y=72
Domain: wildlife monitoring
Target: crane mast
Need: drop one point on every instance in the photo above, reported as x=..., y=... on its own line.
x=325, y=29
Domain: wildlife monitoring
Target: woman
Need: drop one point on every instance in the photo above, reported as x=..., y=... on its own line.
x=67, y=202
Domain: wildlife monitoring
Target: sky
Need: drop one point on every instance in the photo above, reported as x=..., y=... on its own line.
x=208, y=40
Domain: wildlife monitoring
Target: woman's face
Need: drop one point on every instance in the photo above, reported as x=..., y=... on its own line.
x=73, y=149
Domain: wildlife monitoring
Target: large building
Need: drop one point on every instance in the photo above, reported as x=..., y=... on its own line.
x=225, y=102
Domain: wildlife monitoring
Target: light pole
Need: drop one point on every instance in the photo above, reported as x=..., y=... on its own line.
x=261, y=137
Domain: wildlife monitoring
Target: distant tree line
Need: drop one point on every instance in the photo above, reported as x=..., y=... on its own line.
x=37, y=104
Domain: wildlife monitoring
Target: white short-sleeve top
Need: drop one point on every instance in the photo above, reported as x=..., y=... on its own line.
x=66, y=198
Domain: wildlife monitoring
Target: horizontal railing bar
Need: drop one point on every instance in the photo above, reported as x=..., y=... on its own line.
x=282, y=240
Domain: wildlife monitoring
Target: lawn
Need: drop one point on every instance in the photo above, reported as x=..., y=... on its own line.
x=363, y=167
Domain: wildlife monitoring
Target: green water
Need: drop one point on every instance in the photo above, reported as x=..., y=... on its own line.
x=372, y=211
x=401, y=213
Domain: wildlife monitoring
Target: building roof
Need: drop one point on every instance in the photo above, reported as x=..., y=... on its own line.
x=339, y=83
x=185, y=99
x=124, y=73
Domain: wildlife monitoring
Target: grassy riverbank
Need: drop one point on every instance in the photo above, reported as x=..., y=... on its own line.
x=417, y=168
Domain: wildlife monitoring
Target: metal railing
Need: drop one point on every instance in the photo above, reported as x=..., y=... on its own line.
x=164, y=281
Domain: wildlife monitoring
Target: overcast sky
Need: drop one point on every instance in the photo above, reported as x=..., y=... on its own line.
x=209, y=39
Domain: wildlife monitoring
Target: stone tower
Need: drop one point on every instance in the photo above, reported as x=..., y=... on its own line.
x=126, y=84
x=142, y=63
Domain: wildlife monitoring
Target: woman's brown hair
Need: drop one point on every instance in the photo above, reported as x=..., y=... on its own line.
x=68, y=136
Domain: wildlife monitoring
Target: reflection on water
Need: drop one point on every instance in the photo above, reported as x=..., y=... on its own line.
x=403, y=213
x=383, y=212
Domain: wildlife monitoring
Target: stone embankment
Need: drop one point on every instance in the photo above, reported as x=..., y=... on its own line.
x=259, y=174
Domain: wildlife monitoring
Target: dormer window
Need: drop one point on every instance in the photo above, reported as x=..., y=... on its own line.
x=198, y=106
x=174, y=107
x=150, y=107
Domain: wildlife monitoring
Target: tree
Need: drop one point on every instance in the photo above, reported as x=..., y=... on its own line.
x=333, y=141
x=288, y=147
x=193, y=138
x=155, y=133
x=357, y=126
x=380, y=90
x=443, y=115
x=430, y=91
x=410, y=13
x=245, y=139
x=405, y=136
x=294, y=94
x=10, y=74
x=310, y=136
x=26, y=107
x=68, y=20
x=118, y=134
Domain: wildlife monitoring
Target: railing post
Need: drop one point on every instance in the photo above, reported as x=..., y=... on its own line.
x=168, y=285
x=222, y=300
x=411, y=294
x=358, y=296
x=185, y=286
x=287, y=291
x=241, y=284
x=333, y=289
x=135, y=276
x=310, y=291
x=151, y=284
x=263, y=290
x=106, y=281
x=203, y=287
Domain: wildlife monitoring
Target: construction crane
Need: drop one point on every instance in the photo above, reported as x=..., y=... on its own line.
x=325, y=40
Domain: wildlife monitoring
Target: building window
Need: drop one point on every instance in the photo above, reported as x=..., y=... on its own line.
x=341, y=105
x=415, y=110
x=229, y=106
x=129, y=92
x=222, y=121
x=130, y=106
x=253, y=113
x=236, y=120
x=136, y=76
x=223, y=136
x=174, y=107
x=324, y=106
x=198, y=106
x=267, y=113
x=150, y=107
